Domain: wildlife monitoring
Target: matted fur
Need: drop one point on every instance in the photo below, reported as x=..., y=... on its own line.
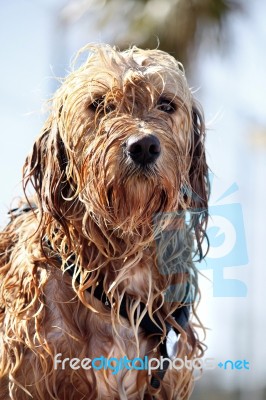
x=125, y=224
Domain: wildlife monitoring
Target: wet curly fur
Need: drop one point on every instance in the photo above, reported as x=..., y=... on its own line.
x=134, y=225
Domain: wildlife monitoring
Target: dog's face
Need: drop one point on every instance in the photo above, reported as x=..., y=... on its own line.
x=124, y=141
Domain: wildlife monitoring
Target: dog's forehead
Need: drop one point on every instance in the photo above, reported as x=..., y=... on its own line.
x=114, y=68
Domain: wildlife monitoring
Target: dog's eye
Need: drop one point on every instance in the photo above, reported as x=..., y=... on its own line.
x=109, y=107
x=166, y=106
x=99, y=105
x=96, y=104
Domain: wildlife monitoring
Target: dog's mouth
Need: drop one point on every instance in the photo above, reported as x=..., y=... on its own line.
x=142, y=172
x=139, y=190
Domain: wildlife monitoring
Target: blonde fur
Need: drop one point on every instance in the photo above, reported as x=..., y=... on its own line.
x=124, y=225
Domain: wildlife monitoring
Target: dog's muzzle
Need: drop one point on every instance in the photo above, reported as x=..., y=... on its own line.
x=144, y=150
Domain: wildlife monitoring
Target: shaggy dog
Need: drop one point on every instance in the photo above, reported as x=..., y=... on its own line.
x=98, y=261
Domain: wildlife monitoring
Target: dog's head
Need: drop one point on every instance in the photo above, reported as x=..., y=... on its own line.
x=124, y=141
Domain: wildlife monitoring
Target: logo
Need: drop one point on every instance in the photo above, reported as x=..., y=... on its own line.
x=148, y=364
x=227, y=244
x=227, y=247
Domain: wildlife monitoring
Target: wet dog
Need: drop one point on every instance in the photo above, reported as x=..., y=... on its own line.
x=98, y=263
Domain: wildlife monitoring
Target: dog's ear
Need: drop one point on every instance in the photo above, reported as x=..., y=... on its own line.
x=198, y=179
x=47, y=171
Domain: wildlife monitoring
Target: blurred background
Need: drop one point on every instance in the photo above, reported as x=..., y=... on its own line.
x=222, y=45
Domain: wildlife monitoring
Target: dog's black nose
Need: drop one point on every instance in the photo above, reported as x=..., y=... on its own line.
x=144, y=150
